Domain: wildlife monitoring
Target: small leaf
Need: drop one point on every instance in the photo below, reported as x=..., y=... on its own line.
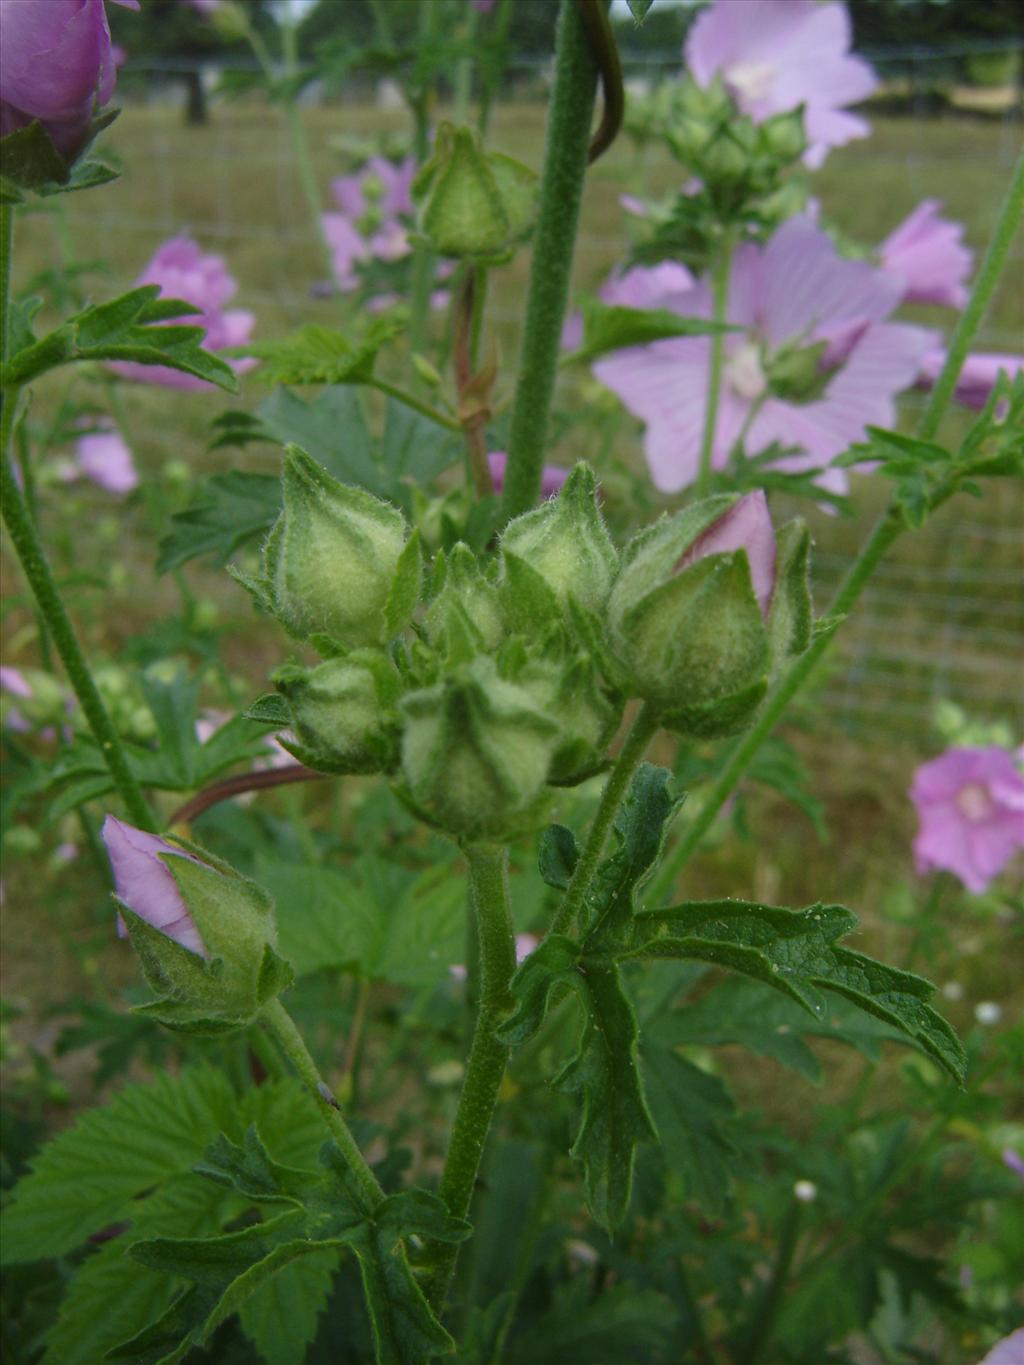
x=638, y=9
x=793, y=950
x=406, y=587
x=271, y=709
x=322, y=355
x=612, y=327
x=228, y=511
x=559, y=855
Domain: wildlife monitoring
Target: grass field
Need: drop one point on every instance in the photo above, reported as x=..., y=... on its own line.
x=944, y=620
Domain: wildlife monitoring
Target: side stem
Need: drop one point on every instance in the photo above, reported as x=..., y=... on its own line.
x=615, y=789
x=21, y=528
x=488, y=872
x=719, y=303
x=561, y=191
x=279, y=1023
x=887, y=529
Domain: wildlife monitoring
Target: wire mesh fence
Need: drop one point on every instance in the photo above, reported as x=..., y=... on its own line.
x=944, y=618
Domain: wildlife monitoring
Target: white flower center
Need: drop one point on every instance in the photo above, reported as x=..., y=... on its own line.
x=750, y=80
x=974, y=802
x=744, y=372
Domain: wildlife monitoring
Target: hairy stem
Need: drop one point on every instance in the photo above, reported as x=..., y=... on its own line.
x=488, y=872
x=758, y=1335
x=474, y=408
x=719, y=304
x=35, y=566
x=279, y=1023
x=887, y=529
x=561, y=191
x=615, y=789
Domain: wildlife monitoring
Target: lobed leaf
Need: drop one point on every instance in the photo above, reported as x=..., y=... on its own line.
x=794, y=951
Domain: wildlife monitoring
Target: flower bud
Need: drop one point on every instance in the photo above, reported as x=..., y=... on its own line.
x=566, y=543
x=476, y=751
x=463, y=586
x=472, y=202
x=205, y=934
x=331, y=560
x=343, y=712
x=687, y=615
x=586, y=715
x=783, y=135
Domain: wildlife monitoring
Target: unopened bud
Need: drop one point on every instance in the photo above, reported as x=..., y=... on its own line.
x=205, y=935
x=331, y=559
x=463, y=586
x=476, y=751
x=783, y=135
x=587, y=715
x=343, y=712
x=566, y=542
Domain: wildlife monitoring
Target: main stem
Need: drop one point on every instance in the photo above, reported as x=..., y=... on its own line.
x=22, y=530
x=887, y=529
x=561, y=191
x=611, y=799
x=488, y=873
x=719, y=304
x=281, y=1026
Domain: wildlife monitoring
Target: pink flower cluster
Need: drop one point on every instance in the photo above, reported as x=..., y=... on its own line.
x=184, y=271
x=970, y=809
x=374, y=205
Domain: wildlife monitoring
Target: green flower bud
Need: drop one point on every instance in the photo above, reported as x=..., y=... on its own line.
x=687, y=617
x=472, y=202
x=206, y=936
x=797, y=374
x=586, y=715
x=566, y=543
x=476, y=751
x=343, y=712
x=724, y=161
x=331, y=560
x=462, y=584
x=783, y=135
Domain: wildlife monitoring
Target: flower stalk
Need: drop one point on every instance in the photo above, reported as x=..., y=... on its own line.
x=488, y=872
x=719, y=302
x=561, y=192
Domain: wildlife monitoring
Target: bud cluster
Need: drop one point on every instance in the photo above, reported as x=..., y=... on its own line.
x=484, y=683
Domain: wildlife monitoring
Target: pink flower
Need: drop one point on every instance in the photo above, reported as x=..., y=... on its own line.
x=105, y=458
x=927, y=255
x=977, y=378
x=551, y=479
x=204, y=7
x=746, y=526
x=184, y=271
x=1009, y=1351
x=1013, y=1161
x=970, y=805
x=14, y=681
x=483, y=6
x=144, y=882
x=793, y=292
x=774, y=55
x=56, y=65
x=381, y=185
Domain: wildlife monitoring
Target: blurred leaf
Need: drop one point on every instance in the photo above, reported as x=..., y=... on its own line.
x=639, y=8
x=691, y=1110
x=228, y=511
x=315, y=354
x=624, y=1324
x=611, y=327
x=793, y=951
x=130, y=327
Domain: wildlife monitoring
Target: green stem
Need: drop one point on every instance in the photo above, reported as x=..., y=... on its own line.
x=463, y=83
x=492, y=76
x=561, y=191
x=887, y=529
x=411, y=401
x=488, y=872
x=758, y=1336
x=423, y=266
x=280, y=1024
x=719, y=304
x=619, y=778
x=22, y=530
x=981, y=294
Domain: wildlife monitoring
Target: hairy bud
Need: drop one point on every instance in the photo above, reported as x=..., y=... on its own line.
x=343, y=712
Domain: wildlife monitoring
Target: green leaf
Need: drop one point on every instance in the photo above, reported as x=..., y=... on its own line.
x=612, y=327
x=331, y=427
x=30, y=160
x=130, y=327
x=89, y=1176
x=624, y=1323
x=315, y=354
x=638, y=9
x=692, y=1111
x=270, y=709
x=281, y=1320
x=558, y=856
x=387, y=922
x=794, y=951
x=640, y=828
x=406, y=587
x=228, y=511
